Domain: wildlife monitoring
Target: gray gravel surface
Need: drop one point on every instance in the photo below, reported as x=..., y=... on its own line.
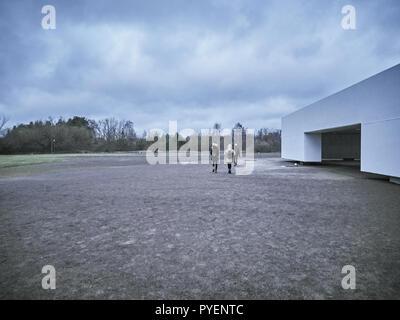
x=118, y=228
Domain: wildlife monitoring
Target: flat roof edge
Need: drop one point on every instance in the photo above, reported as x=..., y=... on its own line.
x=353, y=85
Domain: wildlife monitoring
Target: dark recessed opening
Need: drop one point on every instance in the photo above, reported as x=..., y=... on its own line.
x=342, y=146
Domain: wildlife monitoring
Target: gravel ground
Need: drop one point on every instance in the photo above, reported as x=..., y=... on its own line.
x=118, y=228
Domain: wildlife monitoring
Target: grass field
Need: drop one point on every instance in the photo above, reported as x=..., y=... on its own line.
x=7, y=161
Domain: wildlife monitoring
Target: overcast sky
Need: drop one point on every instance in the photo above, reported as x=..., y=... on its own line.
x=197, y=62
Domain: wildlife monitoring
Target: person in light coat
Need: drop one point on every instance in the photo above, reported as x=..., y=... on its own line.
x=215, y=156
x=229, y=155
x=237, y=154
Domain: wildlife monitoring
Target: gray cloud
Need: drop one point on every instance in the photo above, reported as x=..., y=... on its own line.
x=193, y=61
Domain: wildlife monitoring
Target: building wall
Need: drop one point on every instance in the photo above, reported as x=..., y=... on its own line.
x=374, y=103
x=381, y=147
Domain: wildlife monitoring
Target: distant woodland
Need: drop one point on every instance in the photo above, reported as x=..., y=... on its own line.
x=79, y=134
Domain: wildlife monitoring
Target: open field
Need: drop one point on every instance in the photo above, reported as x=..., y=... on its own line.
x=9, y=161
x=116, y=227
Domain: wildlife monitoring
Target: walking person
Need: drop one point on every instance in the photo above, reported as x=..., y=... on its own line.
x=229, y=155
x=215, y=156
x=237, y=154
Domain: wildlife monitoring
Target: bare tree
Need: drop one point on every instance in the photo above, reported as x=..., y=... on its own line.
x=108, y=129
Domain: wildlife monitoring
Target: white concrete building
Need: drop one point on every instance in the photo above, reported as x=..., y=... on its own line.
x=360, y=122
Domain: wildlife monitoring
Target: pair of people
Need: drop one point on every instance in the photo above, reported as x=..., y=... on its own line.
x=230, y=157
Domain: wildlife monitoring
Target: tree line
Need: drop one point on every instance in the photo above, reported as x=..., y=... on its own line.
x=79, y=134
